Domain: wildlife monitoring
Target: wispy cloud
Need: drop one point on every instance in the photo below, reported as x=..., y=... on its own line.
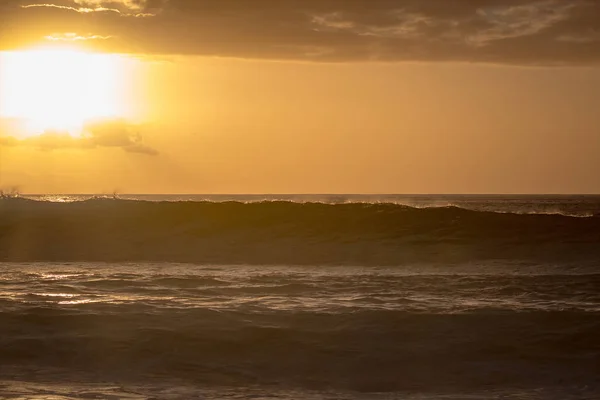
x=74, y=37
x=136, y=8
x=87, y=10
x=84, y=10
x=520, y=20
x=400, y=25
x=135, y=5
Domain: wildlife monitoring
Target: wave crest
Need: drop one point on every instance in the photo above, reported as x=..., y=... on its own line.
x=283, y=232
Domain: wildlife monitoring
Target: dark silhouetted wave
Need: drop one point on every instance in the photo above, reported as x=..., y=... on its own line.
x=279, y=232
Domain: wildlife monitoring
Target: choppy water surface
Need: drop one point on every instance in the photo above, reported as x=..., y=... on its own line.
x=176, y=331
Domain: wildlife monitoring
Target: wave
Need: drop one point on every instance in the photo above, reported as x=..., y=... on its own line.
x=339, y=329
x=575, y=205
x=366, y=351
x=284, y=232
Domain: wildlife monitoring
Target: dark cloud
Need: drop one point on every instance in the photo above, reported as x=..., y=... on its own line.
x=524, y=32
x=105, y=133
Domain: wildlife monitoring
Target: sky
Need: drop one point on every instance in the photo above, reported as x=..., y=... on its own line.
x=300, y=96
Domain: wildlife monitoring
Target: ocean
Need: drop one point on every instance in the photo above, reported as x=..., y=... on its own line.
x=300, y=297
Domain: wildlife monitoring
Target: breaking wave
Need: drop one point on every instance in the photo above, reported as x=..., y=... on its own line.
x=284, y=232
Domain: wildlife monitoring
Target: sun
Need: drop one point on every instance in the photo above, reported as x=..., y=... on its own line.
x=59, y=90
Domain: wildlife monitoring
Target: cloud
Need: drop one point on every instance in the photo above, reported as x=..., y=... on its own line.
x=116, y=133
x=74, y=37
x=103, y=133
x=520, y=21
x=134, y=5
x=96, y=6
x=522, y=32
x=402, y=25
x=76, y=9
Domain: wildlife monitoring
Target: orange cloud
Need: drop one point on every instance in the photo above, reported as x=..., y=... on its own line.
x=103, y=133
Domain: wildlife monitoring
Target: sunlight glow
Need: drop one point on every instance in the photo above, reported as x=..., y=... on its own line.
x=59, y=90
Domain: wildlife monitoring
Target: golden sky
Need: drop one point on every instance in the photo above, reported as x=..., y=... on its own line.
x=287, y=96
